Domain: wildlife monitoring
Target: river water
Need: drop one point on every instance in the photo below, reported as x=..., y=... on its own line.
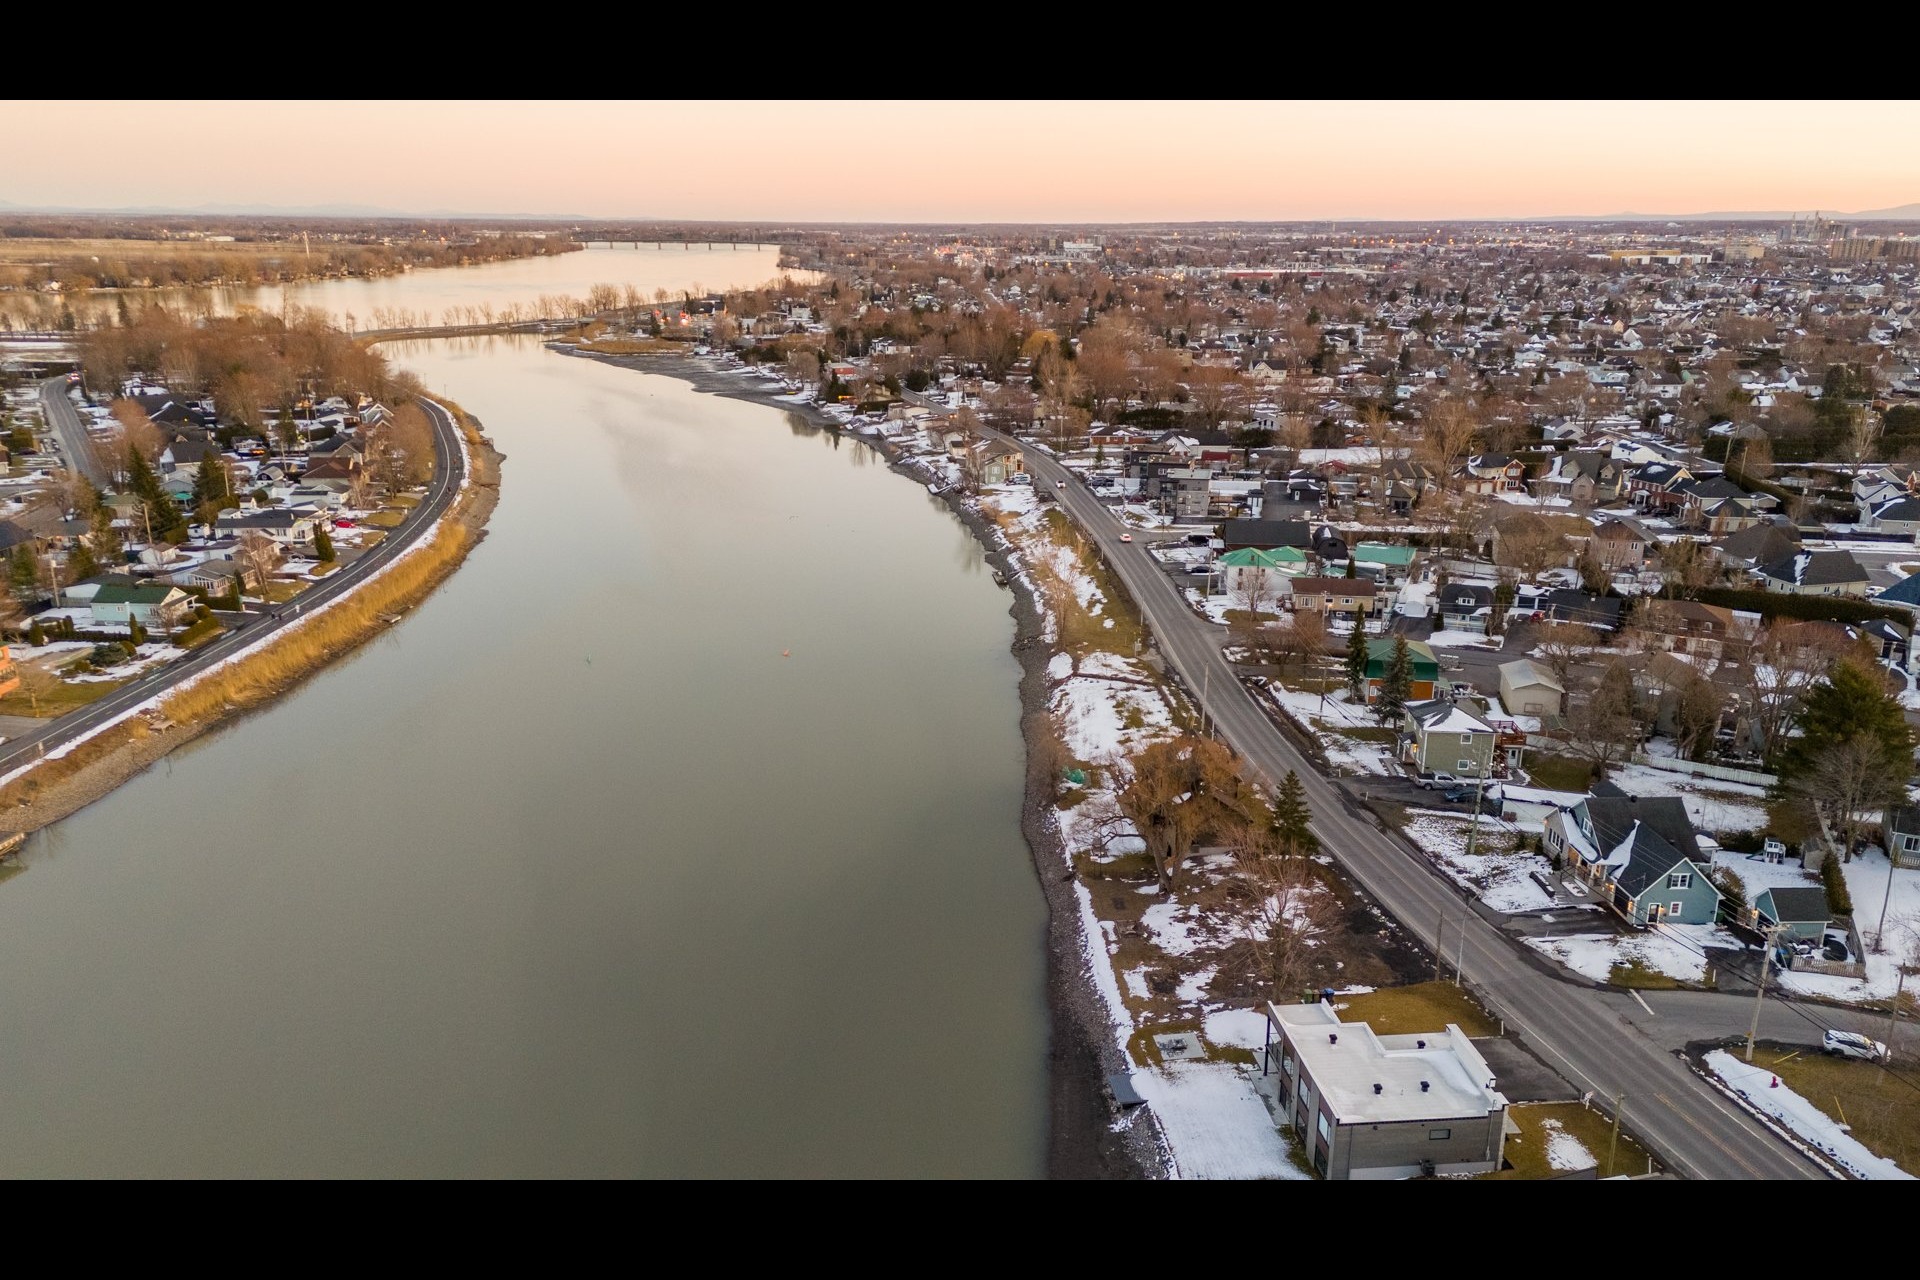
x=675, y=835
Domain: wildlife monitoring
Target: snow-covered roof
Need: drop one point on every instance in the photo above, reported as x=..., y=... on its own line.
x=1373, y=1079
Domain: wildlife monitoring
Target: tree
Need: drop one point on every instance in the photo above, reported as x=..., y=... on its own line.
x=161, y=514
x=1447, y=435
x=1604, y=726
x=1283, y=912
x=1849, y=726
x=1292, y=820
x=37, y=683
x=1357, y=656
x=322, y=545
x=256, y=554
x=1397, y=685
x=1785, y=662
x=104, y=542
x=136, y=634
x=1173, y=791
x=213, y=484
x=1845, y=778
x=1564, y=646
x=23, y=573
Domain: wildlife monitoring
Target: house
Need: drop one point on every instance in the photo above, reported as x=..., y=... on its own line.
x=1900, y=834
x=1330, y=596
x=1464, y=606
x=1395, y=563
x=1640, y=853
x=1689, y=627
x=1426, y=668
x=1266, y=573
x=1530, y=690
x=1368, y=1106
x=1493, y=473
x=283, y=524
x=992, y=462
x=1815, y=573
x=1439, y=735
x=158, y=607
x=1896, y=515
x=1265, y=535
x=1585, y=478
x=1797, y=912
x=187, y=455
x=1654, y=486
x=1567, y=605
x=1619, y=545
x=1403, y=483
x=1758, y=544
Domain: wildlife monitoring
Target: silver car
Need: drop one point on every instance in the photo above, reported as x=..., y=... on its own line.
x=1846, y=1044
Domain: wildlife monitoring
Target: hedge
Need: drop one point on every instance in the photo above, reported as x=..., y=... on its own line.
x=1771, y=604
x=1839, y=902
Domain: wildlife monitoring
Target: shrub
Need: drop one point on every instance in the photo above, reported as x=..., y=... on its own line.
x=1839, y=901
x=1770, y=604
x=1742, y=841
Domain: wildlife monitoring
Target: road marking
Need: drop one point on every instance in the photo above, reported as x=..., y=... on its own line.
x=1642, y=1003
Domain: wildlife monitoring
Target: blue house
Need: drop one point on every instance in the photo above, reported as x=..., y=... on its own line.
x=1800, y=913
x=1640, y=855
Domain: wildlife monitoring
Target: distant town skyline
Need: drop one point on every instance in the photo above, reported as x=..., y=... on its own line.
x=1070, y=162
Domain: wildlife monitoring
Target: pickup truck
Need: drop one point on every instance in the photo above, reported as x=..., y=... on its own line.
x=1432, y=780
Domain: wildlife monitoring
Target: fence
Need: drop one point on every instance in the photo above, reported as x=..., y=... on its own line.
x=1750, y=777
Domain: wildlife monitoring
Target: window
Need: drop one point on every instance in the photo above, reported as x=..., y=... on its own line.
x=1673, y=909
x=1680, y=880
x=1326, y=1130
x=1464, y=766
x=1466, y=739
x=1439, y=1135
x=1910, y=844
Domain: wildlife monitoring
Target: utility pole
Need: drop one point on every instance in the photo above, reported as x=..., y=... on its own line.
x=1880, y=933
x=1440, y=945
x=1619, y=1102
x=1893, y=1010
x=1760, y=991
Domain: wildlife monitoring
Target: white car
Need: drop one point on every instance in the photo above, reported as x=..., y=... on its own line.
x=1846, y=1044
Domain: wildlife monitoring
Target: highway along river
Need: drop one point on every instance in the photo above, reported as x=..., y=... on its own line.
x=676, y=835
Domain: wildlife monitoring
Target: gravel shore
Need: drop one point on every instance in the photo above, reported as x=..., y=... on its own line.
x=1083, y=1140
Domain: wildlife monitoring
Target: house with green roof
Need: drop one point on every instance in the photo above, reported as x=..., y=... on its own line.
x=1269, y=571
x=1395, y=563
x=1426, y=668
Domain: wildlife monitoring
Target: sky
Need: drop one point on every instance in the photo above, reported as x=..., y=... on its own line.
x=1059, y=161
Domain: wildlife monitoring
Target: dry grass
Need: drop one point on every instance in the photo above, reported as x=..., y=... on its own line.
x=1526, y=1151
x=384, y=519
x=1883, y=1112
x=66, y=696
x=36, y=249
x=1424, y=1006
x=1635, y=974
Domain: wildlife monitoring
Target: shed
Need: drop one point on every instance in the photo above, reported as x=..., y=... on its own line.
x=1801, y=912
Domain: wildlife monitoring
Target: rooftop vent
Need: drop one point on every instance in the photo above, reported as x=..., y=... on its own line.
x=1423, y=1086
x=1378, y=1088
x=1333, y=1037
x=1419, y=1044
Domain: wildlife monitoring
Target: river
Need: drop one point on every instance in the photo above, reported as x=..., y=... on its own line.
x=676, y=835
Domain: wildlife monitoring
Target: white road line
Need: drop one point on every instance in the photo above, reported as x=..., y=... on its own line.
x=1642, y=1003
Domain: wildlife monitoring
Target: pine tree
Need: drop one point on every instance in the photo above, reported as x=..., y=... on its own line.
x=161, y=510
x=1397, y=684
x=136, y=634
x=24, y=572
x=1357, y=661
x=36, y=634
x=1291, y=817
x=1849, y=703
x=322, y=545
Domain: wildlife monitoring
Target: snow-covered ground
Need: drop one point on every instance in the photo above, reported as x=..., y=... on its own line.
x=1764, y=1091
x=1868, y=887
x=1565, y=1150
x=1674, y=950
x=1498, y=876
x=1714, y=806
x=1216, y=1122
x=1463, y=640
x=1327, y=718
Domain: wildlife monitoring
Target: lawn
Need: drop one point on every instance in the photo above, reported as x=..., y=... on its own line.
x=1635, y=974
x=408, y=500
x=1424, y=1006
x=1884, y=1111
x=199, y=633
x=1559, y=773
x=280, y=592
x=384, y=519
x=62, y=698
x=1526, y=1151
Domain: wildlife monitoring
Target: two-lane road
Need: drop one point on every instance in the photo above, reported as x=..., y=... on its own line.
x=64, y=420
x=449, y=474
x=1574, y=1028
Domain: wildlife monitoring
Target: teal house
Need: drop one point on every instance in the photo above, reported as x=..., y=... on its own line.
x=1640, y=855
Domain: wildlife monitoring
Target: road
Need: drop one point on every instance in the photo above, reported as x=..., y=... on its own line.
x=1577, y=1030
x=449, y=473
x=75, y=443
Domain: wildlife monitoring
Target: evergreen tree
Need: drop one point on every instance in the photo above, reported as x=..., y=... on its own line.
x=23, y=571
x=1353, y=567
x=36, y=634
x=1357, y=661
x=1851, y=702
x=136, y=634
x=161, y=510
x=80, y=564
x=322, y=545
x=105, y=541
x=1397, y=684
x=1291, y=816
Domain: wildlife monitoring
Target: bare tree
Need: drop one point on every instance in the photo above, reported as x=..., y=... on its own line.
x=257, y=555
x=1787, y=659
x=1448, y=435
x=1566, y=645
x=1605, y=725
x=1281, y=910
x=1847, y=778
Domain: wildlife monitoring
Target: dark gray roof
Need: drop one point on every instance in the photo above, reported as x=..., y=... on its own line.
x=1794, y=906
x=1266, y=534
x=1760, y=543
x=1662, y=835
x=1816, y=568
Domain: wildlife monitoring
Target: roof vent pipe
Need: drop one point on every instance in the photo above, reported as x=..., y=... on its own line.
x=1333, y=1037
x=1423, y=1086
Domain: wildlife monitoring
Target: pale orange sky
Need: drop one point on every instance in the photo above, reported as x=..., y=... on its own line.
x=970, y=161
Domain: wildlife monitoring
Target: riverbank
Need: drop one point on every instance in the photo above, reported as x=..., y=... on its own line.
x=1083, y=1140
x=72, y=777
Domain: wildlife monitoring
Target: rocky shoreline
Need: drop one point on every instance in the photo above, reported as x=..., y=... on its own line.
x=1083, y=1140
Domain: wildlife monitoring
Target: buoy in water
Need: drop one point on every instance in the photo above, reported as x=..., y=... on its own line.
x=786, y=653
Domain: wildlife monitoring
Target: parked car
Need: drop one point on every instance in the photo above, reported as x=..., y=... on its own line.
x=1846, y=1044
x=343, y=524
x=1126, y=537
x=1431, y=779
x=1200, y=568
x=1461, y=690
x=1457, y=795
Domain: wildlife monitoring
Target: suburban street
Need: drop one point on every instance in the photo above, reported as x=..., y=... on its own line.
x=1580, y=1031
x=75, y=443
x=449, y=472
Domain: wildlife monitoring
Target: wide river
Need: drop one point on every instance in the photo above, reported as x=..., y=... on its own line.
x=675, y=835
